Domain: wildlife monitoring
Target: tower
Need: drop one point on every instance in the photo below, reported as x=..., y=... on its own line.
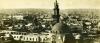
x=56, y=15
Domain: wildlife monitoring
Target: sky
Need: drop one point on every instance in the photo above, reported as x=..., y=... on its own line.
x=49, y=4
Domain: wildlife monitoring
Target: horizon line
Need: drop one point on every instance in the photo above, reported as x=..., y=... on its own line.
x=48, y=8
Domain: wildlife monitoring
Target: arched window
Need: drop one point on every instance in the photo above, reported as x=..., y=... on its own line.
x=27, y=38
x=33, y=39
x=36, y=39
x=43, y=39
x=30, y=39
x=19, y=33
x=11, y=32
x=16, y=33
x=24, y=38
x=51, y=31
x=24, y=33
x=14, y=36
x=17, y=36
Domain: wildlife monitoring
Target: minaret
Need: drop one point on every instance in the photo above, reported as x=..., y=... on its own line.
x=56, y=15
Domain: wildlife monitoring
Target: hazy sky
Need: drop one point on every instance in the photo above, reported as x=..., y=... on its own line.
x=48, y=4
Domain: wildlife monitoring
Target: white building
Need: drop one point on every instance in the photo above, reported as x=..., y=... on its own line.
x=18, y=17
x=30, y=37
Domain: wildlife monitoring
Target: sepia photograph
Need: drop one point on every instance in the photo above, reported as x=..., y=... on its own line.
x=49, y=21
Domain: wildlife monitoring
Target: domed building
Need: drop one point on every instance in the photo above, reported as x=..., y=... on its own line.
x=62, y=33
x=60, y=28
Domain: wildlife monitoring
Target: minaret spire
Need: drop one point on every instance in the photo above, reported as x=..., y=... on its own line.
x=56, y=4
x=56, y=15
x=56, y=1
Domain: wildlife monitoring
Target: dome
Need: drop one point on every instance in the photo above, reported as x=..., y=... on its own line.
x=60, y=28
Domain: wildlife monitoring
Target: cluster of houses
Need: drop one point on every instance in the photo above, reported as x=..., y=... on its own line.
x=69, y=31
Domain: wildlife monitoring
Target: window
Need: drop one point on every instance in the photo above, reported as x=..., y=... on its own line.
x=36, y=39
x=19, y=33
x=16, y=33
x=11, y=32
x=30, y=38
x=24, y=38
x=27, y=38
x=44, y=39
x=17, y=36
x=14, y=36
x=21, y=36
x=33, y=39
x=24, y=33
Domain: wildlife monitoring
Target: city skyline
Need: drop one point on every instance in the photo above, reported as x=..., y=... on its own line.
x=49, y=4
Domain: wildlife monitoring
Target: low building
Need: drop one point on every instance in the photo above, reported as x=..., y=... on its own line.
x=18, y=17
x=29, y=37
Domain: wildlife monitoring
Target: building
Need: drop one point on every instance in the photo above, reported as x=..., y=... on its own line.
x=60, y=32
x=17, y=17
x=56, y=15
